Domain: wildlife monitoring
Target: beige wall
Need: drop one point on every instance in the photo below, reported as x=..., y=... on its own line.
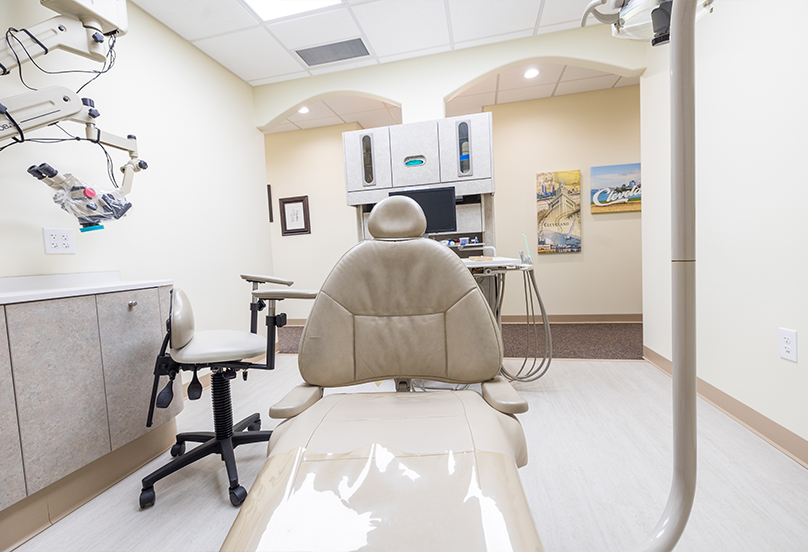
x=199, y=212
x=310, y=163
x=752, y=267
x=570, y=132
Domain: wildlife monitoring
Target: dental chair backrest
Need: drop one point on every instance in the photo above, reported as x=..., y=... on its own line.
x=399, y=306
x=181, y=319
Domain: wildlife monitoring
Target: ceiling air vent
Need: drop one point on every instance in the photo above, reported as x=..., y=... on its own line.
x=338, y=51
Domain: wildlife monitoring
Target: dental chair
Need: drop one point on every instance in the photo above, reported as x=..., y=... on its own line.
x=399, y=470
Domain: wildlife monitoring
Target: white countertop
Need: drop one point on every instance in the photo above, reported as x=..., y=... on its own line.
x=498, y=262
x=21, y=289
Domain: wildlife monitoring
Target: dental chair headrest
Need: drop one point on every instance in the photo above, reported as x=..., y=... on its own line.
x=397, y=217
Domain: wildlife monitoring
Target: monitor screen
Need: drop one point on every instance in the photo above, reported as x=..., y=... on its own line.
x=438, y=205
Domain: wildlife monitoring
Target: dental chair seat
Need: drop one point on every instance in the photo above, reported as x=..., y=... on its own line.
x=220, y=346
x=371, y=469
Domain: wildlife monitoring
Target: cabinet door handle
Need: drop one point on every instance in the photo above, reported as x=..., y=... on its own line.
x=132, y=304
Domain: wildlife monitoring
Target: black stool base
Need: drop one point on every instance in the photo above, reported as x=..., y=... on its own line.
x=210, y=445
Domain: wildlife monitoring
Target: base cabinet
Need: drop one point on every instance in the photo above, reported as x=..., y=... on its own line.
x=82, y=371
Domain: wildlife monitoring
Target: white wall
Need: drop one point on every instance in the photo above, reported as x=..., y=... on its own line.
x=199, y=212
x=576, y=131
x=310, y=163
x=752, y=267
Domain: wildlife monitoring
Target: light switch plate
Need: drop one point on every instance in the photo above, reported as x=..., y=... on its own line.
x=788, y=344
x=59, y=241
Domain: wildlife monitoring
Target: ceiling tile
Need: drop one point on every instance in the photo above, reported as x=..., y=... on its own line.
x=195, y=19
x=251, y=54
x=515, y=77
x=343, y=65
x=416, y=53
x=486, y=86
x=586, y=85
x=342, y=105
x=317, y=110
x=396, y=26
x=573, y=72
x=316, y=29
x=314, y=123
x=627, y=81
x=285, y=126
x=561, y=11
x=475, y=19
x=371, y=119
x=522, y=94
x=493, y=39
x=463, y=105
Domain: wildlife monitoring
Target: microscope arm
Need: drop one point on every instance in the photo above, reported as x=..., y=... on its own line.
x=41, y=108
x=58, y=33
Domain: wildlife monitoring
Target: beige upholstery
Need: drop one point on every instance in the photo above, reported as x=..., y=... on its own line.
x=191, y=347
x=394, y=471
x=397, y=217
x=404, y=308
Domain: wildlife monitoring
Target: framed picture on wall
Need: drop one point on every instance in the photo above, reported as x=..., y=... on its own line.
x=294, y=215
x=558, y=210
x=615, y=189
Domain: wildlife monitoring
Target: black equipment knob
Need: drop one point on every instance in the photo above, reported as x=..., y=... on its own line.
x=142, y=165
x=88, y=102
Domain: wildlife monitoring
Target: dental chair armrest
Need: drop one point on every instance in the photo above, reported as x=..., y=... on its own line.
x=499, y=393
x=266, y=279
x=296, y=401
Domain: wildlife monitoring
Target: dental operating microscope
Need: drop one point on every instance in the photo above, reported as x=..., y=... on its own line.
x=88, y=29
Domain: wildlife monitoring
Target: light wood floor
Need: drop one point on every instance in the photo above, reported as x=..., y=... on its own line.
x=598, y=477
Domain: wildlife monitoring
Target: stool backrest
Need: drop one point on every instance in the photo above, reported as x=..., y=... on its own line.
x=182, y=319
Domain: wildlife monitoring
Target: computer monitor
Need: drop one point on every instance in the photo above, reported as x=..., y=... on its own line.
x=438, y=205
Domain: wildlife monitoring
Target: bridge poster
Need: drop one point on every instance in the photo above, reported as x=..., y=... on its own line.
x=558, y=208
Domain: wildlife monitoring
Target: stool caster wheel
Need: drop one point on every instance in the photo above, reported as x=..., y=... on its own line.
x=147, y=498
x=178, y=449
x=237, y=495
x=255, y=426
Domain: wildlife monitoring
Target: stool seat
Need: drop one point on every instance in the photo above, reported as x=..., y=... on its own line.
x=220, y=346
x=281, y=294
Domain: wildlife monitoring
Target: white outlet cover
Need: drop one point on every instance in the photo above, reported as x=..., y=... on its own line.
x=59, y=241
x=788, y=344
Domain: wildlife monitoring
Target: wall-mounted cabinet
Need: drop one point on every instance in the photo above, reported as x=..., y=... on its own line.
x=465, y=147
x=367, y=159
x=455, y=151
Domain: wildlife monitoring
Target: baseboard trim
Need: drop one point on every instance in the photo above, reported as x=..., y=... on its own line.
x=23, y=520
x=770, y=431
x=578, y=319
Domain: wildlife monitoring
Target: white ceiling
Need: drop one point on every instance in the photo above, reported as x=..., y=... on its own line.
x=264, y=52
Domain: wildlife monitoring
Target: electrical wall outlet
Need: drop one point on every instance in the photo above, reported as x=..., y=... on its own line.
x=59, y=241
x=788, y=344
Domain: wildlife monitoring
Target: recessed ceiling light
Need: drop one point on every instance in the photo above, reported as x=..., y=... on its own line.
x=531, y=73
x=303, y=110
x=275, y=9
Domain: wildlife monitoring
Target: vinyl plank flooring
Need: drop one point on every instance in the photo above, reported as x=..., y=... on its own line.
x=599, y=436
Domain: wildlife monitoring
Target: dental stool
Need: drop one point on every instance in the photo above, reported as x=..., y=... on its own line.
x=222, y=351
x=400, y=470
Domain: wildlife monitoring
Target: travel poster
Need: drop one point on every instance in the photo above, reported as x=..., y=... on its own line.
x=558, y=207
x=615, y=189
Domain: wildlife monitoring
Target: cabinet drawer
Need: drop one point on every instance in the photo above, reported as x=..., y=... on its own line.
x=12, y=476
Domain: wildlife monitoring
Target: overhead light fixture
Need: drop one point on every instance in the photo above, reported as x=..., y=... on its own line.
x=641, y=19
x=531, y=73
x=269, y=10
x=303, y=110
